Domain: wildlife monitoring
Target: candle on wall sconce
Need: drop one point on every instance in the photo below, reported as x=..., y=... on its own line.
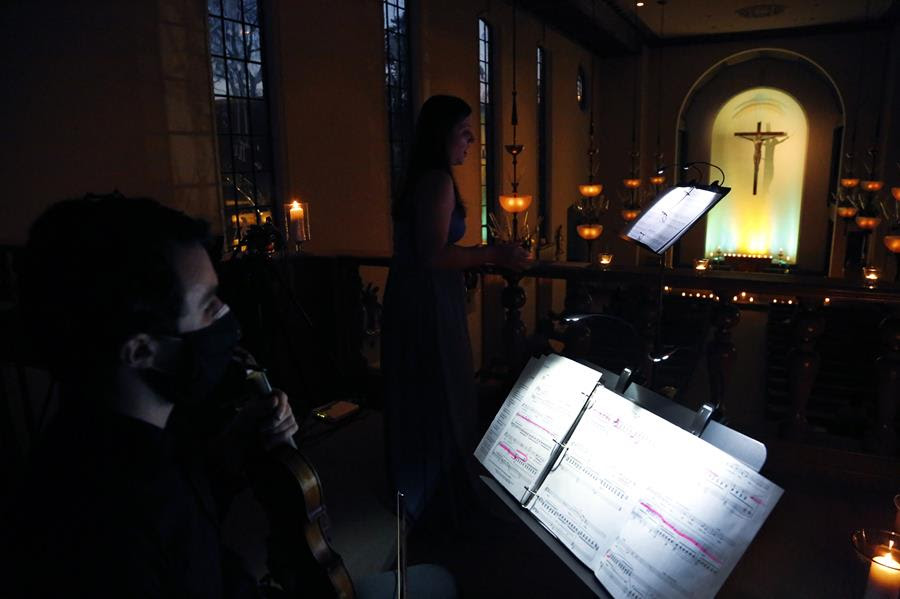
x=590, y=232
x=868, y=223
x=629, y=214
x=297, y=222
x=872, y=185
x=590, y=190
x=846, y=211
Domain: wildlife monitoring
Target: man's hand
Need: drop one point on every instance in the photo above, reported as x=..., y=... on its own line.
x=274, y=420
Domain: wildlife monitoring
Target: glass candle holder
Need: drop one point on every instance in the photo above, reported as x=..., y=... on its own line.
x=871, y=273
x=871, y=185
x=629, y=214
x=879, y=548
x=846, y=211
x=590, y=232
x=701, y=264
x=296, y=220
x=590, y=190
x=868, y=223
x=892, y=243
x=604, y=260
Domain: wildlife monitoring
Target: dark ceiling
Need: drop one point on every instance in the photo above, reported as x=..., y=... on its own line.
x=614, y=27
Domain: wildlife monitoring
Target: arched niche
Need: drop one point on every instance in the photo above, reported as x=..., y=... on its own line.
x=811, y=88
x=765, y=173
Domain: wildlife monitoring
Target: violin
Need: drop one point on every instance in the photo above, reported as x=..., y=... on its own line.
x=300, y=557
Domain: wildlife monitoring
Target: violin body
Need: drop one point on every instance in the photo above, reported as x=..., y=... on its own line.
x=301, y=559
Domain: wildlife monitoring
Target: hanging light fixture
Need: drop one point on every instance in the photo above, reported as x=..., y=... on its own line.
x=515, y=202
x=591, y=189
x=631, y=202
x=850, y=180
x=592, y=204
x=659, y=176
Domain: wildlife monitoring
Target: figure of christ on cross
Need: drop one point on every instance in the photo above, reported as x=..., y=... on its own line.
x=760, y=137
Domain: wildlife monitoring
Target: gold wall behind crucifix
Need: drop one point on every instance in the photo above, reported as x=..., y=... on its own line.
x=767, y=223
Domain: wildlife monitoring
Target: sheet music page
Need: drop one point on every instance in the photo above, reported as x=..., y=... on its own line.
x=652, y=509
x=585, y=500
x=540, y=409
x=665, y=220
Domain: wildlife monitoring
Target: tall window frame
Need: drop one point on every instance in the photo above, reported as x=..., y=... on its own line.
x=543, y=146
x=398, y=86
x=243, y=126
x=486, y=124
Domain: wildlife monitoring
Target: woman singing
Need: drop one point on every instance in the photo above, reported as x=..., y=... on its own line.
x=430, y=410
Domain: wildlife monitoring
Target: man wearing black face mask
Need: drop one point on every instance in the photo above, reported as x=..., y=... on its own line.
x=121, y=296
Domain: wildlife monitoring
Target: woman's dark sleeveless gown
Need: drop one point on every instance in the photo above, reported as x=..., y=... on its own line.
x=430, y=409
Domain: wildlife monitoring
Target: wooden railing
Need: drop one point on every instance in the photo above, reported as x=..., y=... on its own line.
x=330, y=289
x=726, y=295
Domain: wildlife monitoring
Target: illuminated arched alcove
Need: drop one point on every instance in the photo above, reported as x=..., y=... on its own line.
x=767, y=223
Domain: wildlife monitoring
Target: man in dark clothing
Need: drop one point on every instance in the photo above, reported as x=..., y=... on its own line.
x=124, y=499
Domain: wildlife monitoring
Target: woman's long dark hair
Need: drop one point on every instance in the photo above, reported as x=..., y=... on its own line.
x=437, y=118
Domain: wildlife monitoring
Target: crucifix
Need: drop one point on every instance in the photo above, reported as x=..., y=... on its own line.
x=760, y=137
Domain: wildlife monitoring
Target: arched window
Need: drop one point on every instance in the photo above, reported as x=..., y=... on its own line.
x=747, y=145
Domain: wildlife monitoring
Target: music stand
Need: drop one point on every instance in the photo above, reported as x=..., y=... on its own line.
x=663, y=223
x=672, y=213
x=747, y=450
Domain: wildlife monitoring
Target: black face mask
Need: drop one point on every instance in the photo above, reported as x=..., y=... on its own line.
x=202, y=359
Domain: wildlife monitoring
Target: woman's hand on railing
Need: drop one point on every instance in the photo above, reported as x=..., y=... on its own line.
x=511, y=256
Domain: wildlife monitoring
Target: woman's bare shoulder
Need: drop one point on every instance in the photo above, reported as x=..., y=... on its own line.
x=435, y=179
x=435, y=183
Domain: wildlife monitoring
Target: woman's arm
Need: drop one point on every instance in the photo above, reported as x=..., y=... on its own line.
x=435, y=202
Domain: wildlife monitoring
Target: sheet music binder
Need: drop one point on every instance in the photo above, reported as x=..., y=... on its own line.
x=558, y=452
x=746, y=450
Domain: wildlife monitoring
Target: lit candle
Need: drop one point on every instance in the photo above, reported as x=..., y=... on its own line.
x=884, y=577
x=606, y=259
x=297, y=217
x=701, y=264
x=871, y=273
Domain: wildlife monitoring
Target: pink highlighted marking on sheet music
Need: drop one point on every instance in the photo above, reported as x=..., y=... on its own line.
x=516, y=455
x=689, y=539
x=530, y=421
